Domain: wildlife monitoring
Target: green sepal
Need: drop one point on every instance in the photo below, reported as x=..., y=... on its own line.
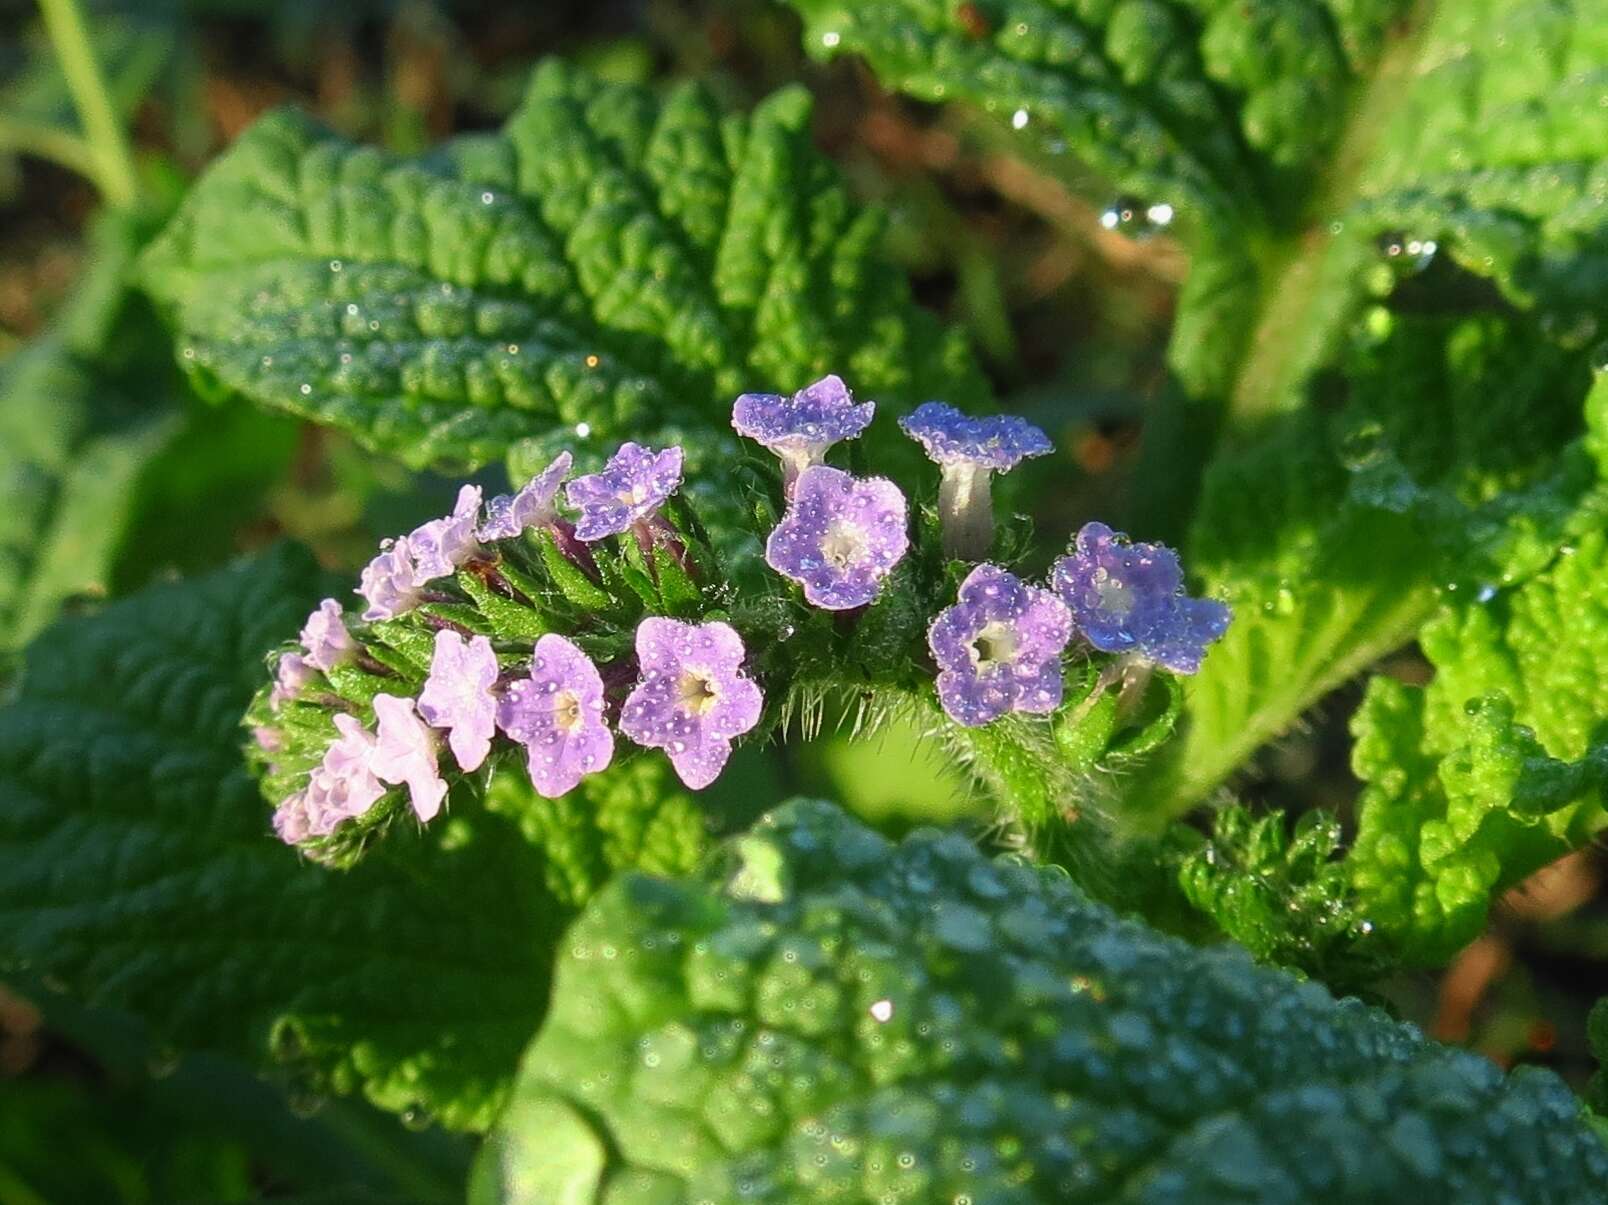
x=569, y=578
x=677, y=591
x=507, y=619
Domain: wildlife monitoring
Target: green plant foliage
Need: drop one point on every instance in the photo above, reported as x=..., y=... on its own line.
x=1335, y=536
x=137, y=866
x=1288, y=138
x=74, y=438
x=825, y=1016
x=606, y=262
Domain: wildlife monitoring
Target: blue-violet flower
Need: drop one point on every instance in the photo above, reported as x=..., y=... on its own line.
x=457, y=695
x=692, y=699
x=388, y=583
x=441, y=545
x=998, y=648
x=324, y=637
x=840, y=537
x=557, y=714
x=801, y=428
x=627, y=493
x=968, y=451
x=533, y=506
x=406, y=753
x=1129, y=597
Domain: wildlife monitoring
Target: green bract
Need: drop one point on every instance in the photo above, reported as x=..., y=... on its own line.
x=140, y=871
x=606, y=263
x=824, y=1016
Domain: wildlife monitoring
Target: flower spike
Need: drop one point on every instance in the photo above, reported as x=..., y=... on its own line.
x=801, y=428
x=968, y=451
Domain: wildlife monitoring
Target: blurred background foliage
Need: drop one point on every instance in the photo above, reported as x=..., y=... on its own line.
x=1067, y=293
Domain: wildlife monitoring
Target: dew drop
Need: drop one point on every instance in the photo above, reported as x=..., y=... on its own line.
x=831, y=38
x=1019, y=119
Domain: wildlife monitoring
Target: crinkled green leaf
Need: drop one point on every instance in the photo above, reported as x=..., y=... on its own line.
x=138, y=868
x=1289, y=137
x=1439, y=838
x=607, y=262
x=1335, y=536
x=826, y=1016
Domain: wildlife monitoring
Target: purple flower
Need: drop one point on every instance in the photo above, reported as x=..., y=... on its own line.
x=968, y=451
x=325, y=639
x=342, y=787
x=389, y=584
x=441, y=545
x=840, y=537
x=290, y=675
x=406, y=753
x=801, y=428
x=1128, y=597
x=557, y=714
x=692, y=698
x=999, y=648
x=627, y=493
x=533, y=506
x=457, y=695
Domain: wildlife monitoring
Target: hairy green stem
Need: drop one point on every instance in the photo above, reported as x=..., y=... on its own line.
x=113, y=162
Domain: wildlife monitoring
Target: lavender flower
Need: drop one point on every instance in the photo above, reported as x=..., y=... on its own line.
x=457, y=695
x=968, y=451
x=290, y=675
x=389, y=584
x=325, y=639
x=627, y=493
x=801, y=428
x=999, y=648
x=1129, y=598
x=406, y=753
x=557, y=714
x=840, y=537
x=342, y=787
x=533, y=506
x=441, y=545
x=692, y=698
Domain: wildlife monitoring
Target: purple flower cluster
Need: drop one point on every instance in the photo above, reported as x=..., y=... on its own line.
x=1129, y=598
x=998, y=649
x=691, y=700
x=393, y=582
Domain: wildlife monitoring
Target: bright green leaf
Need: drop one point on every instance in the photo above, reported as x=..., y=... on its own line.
x=607, y=263
x=826, y=1016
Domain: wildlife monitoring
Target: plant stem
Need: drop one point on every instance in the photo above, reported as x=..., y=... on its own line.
x=113, y=163
x=47, y=142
